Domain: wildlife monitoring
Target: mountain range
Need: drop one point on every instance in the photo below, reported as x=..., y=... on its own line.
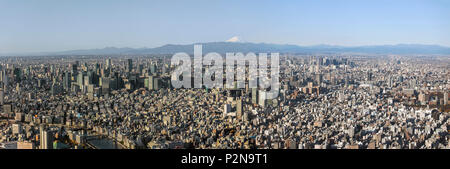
x=223, y=47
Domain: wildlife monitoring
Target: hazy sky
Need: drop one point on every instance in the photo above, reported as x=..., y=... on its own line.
x=56, y=25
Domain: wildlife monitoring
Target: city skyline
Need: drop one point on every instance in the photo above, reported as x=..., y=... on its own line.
x=224, y=83
x=71, y=25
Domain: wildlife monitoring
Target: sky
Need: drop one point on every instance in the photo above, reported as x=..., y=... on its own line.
x=59, y=25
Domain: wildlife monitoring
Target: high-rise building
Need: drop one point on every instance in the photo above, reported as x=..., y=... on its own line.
x=2, y=97
x=318, y=79
x=75, y=67
x=141, y=69
x=390, y=81
x=7, y=108
x=255, y=95
x=156, y=83
x=5, y=81
x=239, y=108
x=87, y=80
x=150, y=82
x=226, y=109
x=80, y=80
x=16, y=129
x=46, y=138
x=369, y=76
x=108, y=63
x=25, y=145
x=19, y=117
x=153, y=68
x=55, y=89
x=262, y=98
x=66, y=81
x=130, y=65
x=445, y=97
x=105, y=85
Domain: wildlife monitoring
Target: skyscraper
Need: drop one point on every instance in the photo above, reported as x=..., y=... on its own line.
x=66, y=81
x=226, y=109
x=255, y=95
x=5, y=80
x=74, y=67
x=156, y=82
x=151, y=84
x=80, y=80
x=262, y=98
x=153, y=68
x=2, y=97
x=445, y=97
x=46, y=138
x=130, y=65
x=108, y=63
x=239, y=108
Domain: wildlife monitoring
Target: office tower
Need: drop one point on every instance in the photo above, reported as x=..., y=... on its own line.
x=25, y=145
x=141, y=69
x=43, y=137
x=104, y=72
x=164, y=69
x=87, y=80
x=153, y=68
x=130, y=65
x=55, y=89
x=97, y=68
x=2, y=96
x=146, y=83
x=92, y=77
x=90, y=88
x=320, y=61
x=5, y=80
x=390, y=81
x=226, y=109
x=17, y=73
x=156, y=83
x=80, y=80
x=7, y=108
x=150, y=82
x=47, y=139
x=318, y=78
x=17, y=129
x=74, y=68
x=19, y=117
x=255, y=95
x=445, y=97
x=66, y=81
x=239, y=108
x=105, y=85
x=114, y=83
x=262, y=98
x=108, y=63
x=369, y=76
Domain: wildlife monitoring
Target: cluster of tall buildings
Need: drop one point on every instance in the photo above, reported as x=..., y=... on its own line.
x=364, y=102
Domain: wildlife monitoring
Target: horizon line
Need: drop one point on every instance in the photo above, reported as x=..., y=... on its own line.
x=321, y=44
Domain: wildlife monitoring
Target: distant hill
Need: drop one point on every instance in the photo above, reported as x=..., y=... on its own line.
x=223, y=47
